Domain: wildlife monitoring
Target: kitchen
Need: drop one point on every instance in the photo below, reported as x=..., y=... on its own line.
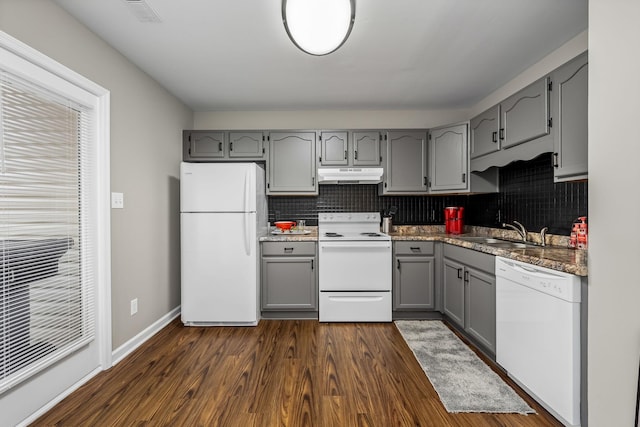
x=148, y=225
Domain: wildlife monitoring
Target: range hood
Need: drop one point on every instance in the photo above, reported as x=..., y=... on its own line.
x=349, y=175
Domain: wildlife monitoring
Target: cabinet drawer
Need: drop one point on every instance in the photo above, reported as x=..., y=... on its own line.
x=288, y=248
x=413, y=248
x=471, y=258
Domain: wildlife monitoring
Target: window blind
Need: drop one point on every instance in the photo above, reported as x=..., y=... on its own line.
x=47, y=247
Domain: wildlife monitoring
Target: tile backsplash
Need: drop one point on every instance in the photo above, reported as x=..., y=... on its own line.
x=527, y=194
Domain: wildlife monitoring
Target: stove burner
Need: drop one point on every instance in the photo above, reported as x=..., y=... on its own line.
x=371, y=234
x=329, y=234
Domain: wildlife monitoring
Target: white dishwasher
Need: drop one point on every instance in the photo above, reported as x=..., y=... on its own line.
x=538, y=334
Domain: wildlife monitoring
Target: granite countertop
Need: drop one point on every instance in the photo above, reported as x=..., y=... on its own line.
x=309, y=234
x=555, y=255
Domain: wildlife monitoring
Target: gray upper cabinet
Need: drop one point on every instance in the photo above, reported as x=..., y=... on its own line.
x=246, y=145
x=570, y=129
x=525, y=115
x=484, y=130
x=366, y=148
x=292, y=163
x=448, y=153
x=405, y=163
x=201, y=145
x=334, y=148
x=219, y=145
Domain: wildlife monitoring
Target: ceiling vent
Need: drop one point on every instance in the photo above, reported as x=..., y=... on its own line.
x=143, y=11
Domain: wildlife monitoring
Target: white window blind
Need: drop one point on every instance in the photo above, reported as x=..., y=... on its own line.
x=47, y=249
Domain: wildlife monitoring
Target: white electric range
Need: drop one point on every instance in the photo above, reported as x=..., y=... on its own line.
x=354, y=268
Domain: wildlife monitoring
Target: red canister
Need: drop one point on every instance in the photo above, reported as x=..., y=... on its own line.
x=579, y=234
x=454, y=220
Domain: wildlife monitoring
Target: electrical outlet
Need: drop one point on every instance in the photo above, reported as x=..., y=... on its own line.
x=117, y=201
x=134, y=306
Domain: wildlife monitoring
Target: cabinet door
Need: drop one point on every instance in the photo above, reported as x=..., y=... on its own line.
x=484, y=130
x=525, y=115
x=413, y=285
x=449, y=159
x=570, y=112
x=246, y=145
x=366, y=148
x=453, y=285
x=480, y=313
x=334, y=148
x=292, y=163
x=203, y=145
x=289, y=283
x=405, y=163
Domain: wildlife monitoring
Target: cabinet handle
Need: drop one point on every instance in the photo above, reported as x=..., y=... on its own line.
x=219, y=146
x=311, y=264
x=501, y=133
x=466, y=276
x=425, y=181
x=355, y=154
x=398, y=264
x=554, y=160
x=459, y=273
x=415, y=249
x=464, y=178
x=313, y=181
x=231, y=146
x=345, y=154
x=288, y=250
x=494, y=136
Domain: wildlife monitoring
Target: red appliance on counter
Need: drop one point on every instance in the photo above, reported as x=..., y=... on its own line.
x=454, y=220
x=579, y=234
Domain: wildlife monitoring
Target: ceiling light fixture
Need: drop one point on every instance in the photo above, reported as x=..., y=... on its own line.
x=318, y=27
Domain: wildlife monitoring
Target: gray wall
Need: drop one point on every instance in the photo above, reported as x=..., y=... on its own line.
x=614, y=178
x=146, y=125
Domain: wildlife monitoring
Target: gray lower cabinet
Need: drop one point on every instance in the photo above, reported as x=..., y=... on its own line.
x=571, y=120
x=470, y=293
x=414, y=276
x=291, y=167
x=289, y=277
x=405, y=163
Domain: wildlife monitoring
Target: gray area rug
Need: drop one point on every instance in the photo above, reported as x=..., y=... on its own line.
x=463, y=381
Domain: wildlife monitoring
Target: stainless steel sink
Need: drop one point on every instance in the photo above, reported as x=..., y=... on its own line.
x=498, y=243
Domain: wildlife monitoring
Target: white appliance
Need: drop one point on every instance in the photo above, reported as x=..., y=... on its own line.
x=538, y=334
x=354, y=268
x=222, y=213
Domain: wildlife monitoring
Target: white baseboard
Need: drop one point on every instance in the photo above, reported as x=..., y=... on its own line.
x=127, y=348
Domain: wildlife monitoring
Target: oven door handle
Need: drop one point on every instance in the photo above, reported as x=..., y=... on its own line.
x=358, y=245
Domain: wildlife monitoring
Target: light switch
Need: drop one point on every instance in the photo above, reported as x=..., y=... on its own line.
x=117, y=201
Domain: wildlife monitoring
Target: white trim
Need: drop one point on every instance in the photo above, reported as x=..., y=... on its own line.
x=127, y=348
x=40, y=412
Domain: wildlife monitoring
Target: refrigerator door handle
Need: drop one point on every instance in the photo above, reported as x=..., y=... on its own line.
x=247, y=224
x=247, y=189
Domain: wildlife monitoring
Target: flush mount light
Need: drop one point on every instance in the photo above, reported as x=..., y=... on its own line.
x=318, y=27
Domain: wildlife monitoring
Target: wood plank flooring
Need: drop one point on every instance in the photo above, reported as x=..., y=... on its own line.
x=280, y=373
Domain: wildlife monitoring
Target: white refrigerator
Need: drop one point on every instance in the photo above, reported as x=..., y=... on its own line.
x=223, y=212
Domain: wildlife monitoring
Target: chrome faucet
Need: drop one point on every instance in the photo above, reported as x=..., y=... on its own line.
x=520, y=229
x=543, y=236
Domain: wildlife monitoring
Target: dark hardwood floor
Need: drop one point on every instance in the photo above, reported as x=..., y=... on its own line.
x=280, y=373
